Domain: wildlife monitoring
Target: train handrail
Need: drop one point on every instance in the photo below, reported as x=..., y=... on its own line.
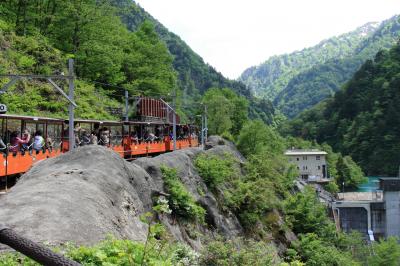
x=35, y=251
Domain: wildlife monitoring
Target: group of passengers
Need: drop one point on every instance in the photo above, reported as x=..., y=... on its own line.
x=26, y=142
x=97, y=136
x=102, y=136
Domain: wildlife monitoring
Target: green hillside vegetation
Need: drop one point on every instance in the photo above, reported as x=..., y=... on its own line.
x=114, y=44
x=298, y=81
x=195, y=77
x=260, y=192
x=362, y=119
x=103, y=49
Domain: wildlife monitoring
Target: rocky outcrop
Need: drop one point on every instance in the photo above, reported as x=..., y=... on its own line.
x=83, y=195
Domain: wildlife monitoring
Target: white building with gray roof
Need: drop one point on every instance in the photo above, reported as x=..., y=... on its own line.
x=311, y=164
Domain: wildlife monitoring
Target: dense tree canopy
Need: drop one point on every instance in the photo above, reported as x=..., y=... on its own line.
x=105, y=52
x=226, y=111
x=361, y=120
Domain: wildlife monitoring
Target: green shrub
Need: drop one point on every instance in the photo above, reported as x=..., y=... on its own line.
x=213, y=169
x=305, y=214
x=119, y=253
x=227, y=136
x=387, y=252
x=332, y=187
x=181, y=201
x=318, y=252
x=16, y=259
x=238, y=252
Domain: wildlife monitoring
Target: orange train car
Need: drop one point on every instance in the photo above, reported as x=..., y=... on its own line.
x=129, y=139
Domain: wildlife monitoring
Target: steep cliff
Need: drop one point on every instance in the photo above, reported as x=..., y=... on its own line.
x=82, y=196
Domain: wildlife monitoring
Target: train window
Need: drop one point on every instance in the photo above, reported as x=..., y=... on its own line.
x=54, y=136
x=85, y=127
x=125, y=130
x=116, y=135
x=33, y=127
x=159, y=131
x=12, y=125
x=136, y=130
x=2, y=127
x=84, y=131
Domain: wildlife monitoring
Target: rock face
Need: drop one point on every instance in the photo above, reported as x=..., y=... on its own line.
x=83, y=195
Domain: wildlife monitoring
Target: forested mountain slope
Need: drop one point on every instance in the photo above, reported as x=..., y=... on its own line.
x=195, y=77
x=300, y=80
x=112, y=42
x=362, y=119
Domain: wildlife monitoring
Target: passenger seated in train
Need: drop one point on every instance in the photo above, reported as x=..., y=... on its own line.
x=49, y=144
x=93, y=138
x=85, y=138
x=134, y=137
x=26, y=136
x=104, y=136
x=3, y=146
x=16, y=142
x=149, y=136
x=38, y=141
x=77, y=131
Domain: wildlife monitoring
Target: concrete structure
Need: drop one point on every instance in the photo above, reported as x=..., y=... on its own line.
x=391, y=196
x=377, y=211
x=310, y=163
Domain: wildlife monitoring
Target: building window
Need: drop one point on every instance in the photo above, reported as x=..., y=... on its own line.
x=298, y=168
x=304, y=167
x=318, y=157
x=319, y=167
x=304, y=157
x=297, y=158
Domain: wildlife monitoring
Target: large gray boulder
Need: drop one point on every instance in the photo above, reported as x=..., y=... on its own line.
x=83, y=195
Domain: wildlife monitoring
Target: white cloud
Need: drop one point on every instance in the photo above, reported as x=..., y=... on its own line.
x=232, y=35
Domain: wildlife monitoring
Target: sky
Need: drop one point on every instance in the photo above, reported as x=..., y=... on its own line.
x=232, y=35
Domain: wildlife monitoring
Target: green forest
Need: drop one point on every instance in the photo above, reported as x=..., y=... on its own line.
x=260, y=192
x=300, y=80
x=116, y=45
x=362, y=119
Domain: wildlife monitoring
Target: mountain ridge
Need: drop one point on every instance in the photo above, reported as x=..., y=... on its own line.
x=319, y=71
x=362, y=118
x=195, y=76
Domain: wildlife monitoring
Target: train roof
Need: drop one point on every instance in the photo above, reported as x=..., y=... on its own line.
x=78, y=120
x=95, y=121
x=146, y=123
x=34, y=118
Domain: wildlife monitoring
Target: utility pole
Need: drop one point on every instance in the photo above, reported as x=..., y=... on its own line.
x=70, y=97
x=202, y=130
x=126, y=105
x=174, y=119
x=205, y=124
x=71, y=107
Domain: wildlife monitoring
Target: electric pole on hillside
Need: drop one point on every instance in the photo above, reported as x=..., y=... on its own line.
x=202, y=131
x=72, y=104
x=70, y=97
x=174, y=119
x=171, y=109
x=126, y=105
x=205, y=124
